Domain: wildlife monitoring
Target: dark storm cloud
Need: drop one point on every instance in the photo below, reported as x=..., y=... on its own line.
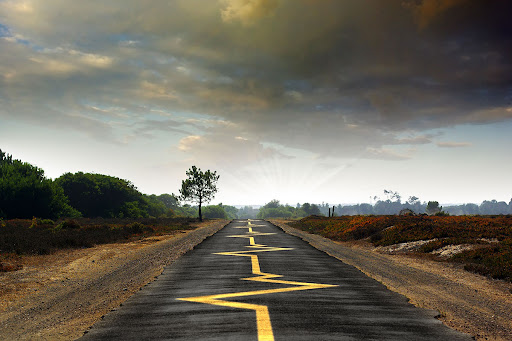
x=335, y=77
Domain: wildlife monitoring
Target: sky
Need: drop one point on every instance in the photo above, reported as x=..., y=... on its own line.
x=296, y=100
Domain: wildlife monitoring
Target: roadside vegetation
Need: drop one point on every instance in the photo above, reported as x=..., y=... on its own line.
x=39, y=215
x=25, y=192
x=489, y=238
x=19, y=237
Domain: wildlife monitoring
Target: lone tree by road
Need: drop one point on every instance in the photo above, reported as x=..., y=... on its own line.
x=200, y=187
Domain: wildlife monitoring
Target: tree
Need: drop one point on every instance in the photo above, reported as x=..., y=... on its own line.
x=156, y=208
x=185, y=211
x=493, y=207
x=25, y=192
x=215, y=211
x=98, y=195
x=433, y=208
x=392, y=196
x=231, y=211
x=392, y=204
x=365, y=209
x=273, y=212
x=200, y=187
x=272, y=204
x=169, y=200
x=311, y=209
x=247, y=212
x=471, y=209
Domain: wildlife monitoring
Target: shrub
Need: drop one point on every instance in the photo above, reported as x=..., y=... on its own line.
x=47, y=222
x=68, y=224
x=17, y=238
x=494, y=260
x=214, y=211
x=137, y=228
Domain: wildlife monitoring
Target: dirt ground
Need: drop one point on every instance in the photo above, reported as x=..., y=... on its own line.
x=467, y=302
x=59, y=296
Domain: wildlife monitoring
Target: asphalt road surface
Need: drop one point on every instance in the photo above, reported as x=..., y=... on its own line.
x=251, y=281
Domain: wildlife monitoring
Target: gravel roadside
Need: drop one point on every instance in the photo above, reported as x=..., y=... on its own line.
x=61, y=298
x=467, y=302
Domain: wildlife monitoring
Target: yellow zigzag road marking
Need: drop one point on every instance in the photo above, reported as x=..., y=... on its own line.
x=264, y=325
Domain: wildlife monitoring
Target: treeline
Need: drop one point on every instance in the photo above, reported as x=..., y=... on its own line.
x=491, y=207
x=274, y=209
x=25, y=192
x=392, y=204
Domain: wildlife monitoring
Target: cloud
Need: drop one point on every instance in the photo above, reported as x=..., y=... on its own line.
x=386, y=154
x=247, y=11
x=152, y=90
x=415, y=140
x=427, y=10
x=148, y=128
x=490, y=115
x=454, y=144
x=226, y=151
x=335, y=78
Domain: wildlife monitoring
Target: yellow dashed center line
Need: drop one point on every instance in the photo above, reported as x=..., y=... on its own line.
x=264, y=325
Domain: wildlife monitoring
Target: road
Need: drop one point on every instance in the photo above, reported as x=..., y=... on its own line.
x=251, y=281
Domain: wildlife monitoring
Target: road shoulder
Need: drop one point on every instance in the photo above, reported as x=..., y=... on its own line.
x=466, y=302
x=61, y=297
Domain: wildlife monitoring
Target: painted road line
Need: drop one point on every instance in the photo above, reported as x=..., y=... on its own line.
x=263, y=322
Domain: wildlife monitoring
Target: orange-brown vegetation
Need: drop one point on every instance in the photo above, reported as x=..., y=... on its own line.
x=491, y=235
x=41, y=237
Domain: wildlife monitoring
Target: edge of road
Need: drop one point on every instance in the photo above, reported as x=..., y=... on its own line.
x=67, y=306
x=463, y=301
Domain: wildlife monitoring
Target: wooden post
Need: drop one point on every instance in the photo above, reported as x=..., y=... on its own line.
x=329, y=212
x=333, y=211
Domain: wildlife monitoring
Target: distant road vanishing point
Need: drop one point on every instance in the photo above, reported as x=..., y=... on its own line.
x=251, y=281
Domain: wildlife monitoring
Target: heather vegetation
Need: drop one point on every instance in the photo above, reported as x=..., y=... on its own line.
x=38, y=215
x=490, y=237
x=43, y=236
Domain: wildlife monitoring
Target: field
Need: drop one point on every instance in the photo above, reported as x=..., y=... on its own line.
x=20, y=237
x=482, y=243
